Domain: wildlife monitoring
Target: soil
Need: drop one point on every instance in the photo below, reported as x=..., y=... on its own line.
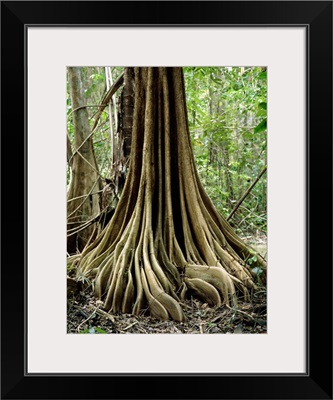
x=85, y=314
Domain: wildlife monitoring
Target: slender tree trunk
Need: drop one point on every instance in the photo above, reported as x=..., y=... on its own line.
x=227, y=173
x=121, y=148
x=82, y=196
x=226, y=163
x=122, y=152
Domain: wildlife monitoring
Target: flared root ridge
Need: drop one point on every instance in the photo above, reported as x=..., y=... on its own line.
x=166, y=239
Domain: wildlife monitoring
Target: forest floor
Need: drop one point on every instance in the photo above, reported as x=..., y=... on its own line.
x=85, y=315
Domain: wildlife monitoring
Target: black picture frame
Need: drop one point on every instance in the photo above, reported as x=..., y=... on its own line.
x=316, y=383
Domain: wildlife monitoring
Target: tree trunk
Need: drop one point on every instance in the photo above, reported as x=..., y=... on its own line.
x=121, y=148
x=166, y=238
x=125, y=117
x=82, y=196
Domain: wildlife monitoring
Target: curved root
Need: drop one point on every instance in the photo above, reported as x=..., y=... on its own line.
x=216, y=277
x=207, y=292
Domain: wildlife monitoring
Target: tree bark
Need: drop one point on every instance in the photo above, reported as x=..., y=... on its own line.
x=125, y=117
x=82, y=196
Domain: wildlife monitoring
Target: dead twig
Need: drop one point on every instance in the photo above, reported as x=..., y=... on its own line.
x=130, y=326
x=246, y=193
x=242, y=313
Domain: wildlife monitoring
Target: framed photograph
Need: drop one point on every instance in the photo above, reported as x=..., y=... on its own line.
x=287, y=43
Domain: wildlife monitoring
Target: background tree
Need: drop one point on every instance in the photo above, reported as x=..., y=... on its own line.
x=82, y=195
x=122, y=148
x=229, y=139
x=166, y=238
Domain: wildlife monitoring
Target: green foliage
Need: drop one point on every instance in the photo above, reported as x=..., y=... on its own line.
x=263, y=105
x=258, y=272
x=252, y=260
x=263, y=75
x=261, y=127
x=93, y=330
x=94, y=83
x=227, y=111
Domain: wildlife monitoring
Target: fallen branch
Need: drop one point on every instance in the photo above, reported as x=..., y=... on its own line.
x=130, y=326
x=246, y=194
x=119, y=81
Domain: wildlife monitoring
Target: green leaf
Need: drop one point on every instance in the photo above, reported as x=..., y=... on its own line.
x=97, y=77
x=257, y=270
x=263, y=75
x=216, y=80
x=263, y=105
x=262, y=126
x=237, y=85
x=100, y=330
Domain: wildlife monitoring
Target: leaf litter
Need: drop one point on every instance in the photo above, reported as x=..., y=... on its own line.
x=86, y=315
